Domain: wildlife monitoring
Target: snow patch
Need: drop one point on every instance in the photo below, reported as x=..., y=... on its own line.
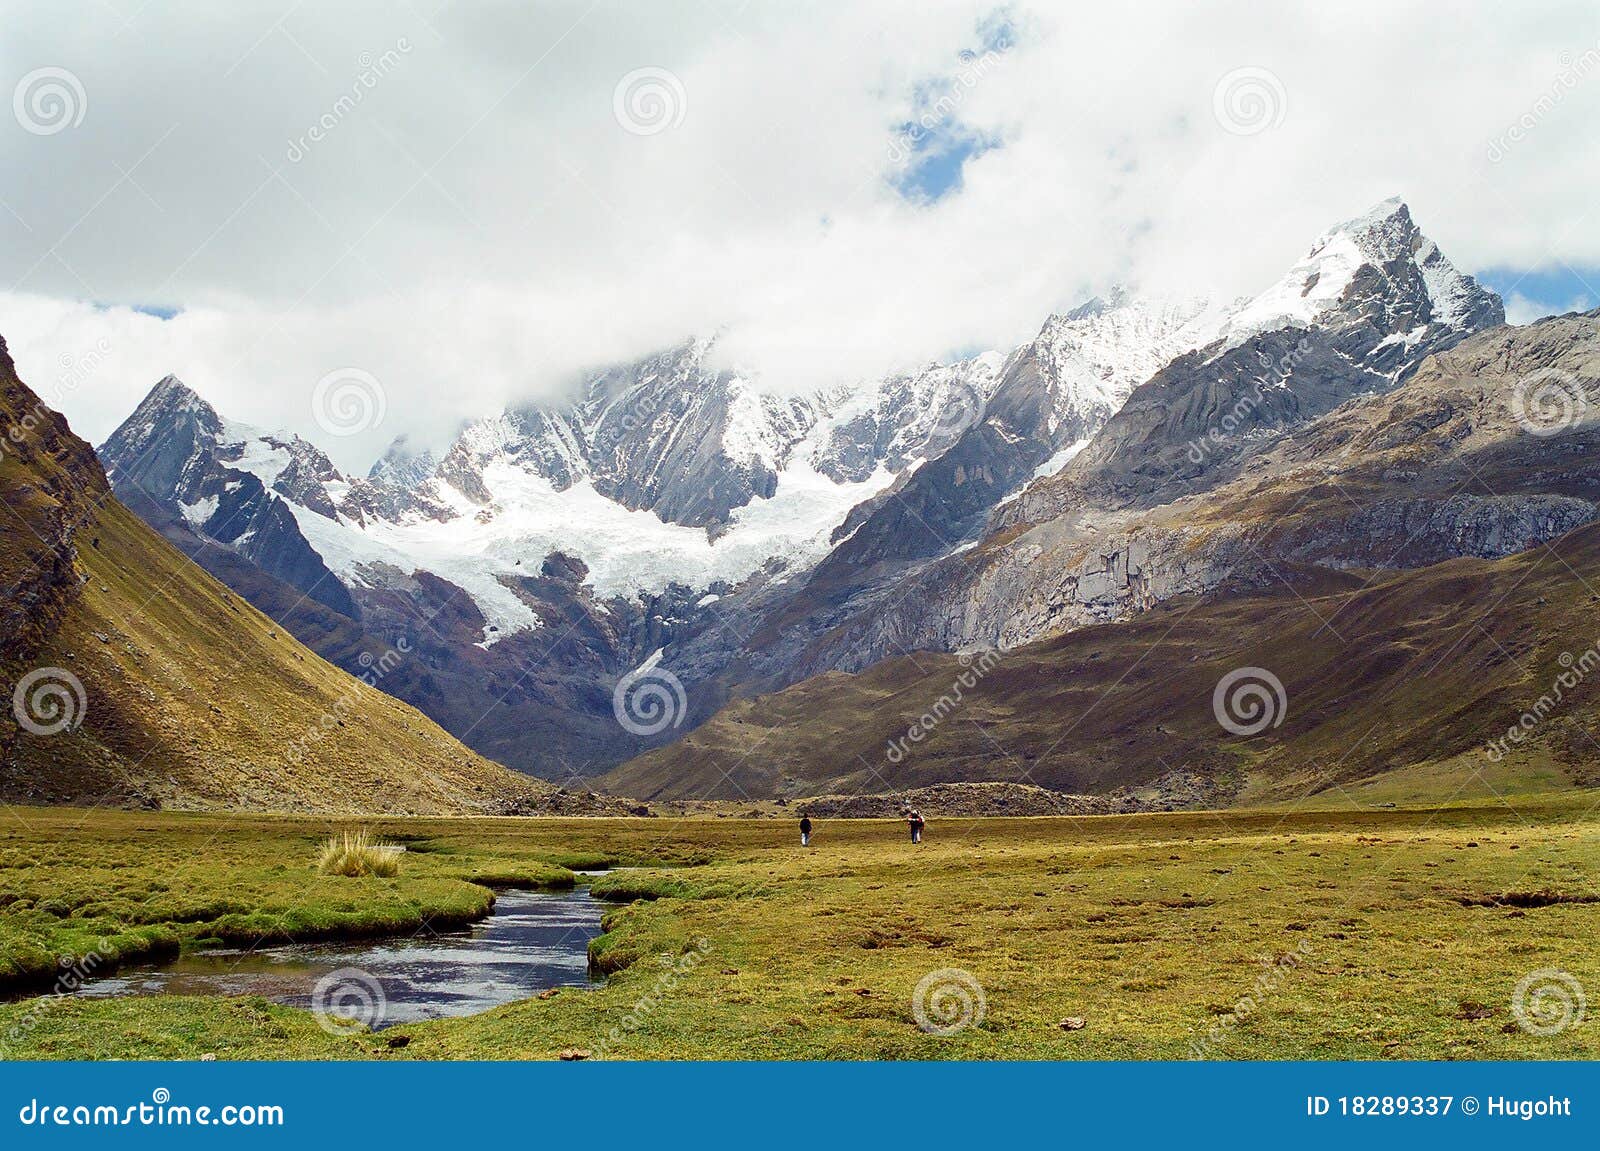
x=1060, y=460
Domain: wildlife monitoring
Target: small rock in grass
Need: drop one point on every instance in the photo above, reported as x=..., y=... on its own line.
x=573, y=1054
x=1074, y=1023
x=398, y=1041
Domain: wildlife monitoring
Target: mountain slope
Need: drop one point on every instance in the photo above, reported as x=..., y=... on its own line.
x=1055, y=394
x=189, y=697
x=1357, y=317
x=672, y=512
x=1428, y=667
x=1398, y=548
x=1442, y=466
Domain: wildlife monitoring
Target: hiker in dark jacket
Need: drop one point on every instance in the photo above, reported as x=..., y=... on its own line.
x=914, y=818
x=805, y=831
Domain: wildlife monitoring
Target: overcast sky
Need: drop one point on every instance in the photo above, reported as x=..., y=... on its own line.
x=462, y=204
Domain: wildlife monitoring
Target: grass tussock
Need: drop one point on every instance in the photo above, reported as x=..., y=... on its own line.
x=358, y=854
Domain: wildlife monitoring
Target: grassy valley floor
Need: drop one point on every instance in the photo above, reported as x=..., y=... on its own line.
x=1366, y=934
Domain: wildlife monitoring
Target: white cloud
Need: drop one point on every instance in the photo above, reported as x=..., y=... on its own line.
x=479, y=226
x=1520, y=309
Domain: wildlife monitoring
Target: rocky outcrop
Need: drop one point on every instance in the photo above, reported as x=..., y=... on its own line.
x=176, y=454
x=1445, y=466
x=1056, y=392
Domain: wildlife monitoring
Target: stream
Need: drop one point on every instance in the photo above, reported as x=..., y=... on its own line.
x=531, y=942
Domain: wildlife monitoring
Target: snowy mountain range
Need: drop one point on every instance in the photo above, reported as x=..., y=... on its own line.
x=662, y=472
x=674, y=506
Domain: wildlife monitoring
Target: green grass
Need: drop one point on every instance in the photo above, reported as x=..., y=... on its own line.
x=1354, y=934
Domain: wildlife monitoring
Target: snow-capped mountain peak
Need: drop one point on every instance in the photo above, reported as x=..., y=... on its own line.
x=1107, y=346
x=1384, y=238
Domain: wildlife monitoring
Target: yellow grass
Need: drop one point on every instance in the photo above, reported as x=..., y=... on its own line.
x=357, y=853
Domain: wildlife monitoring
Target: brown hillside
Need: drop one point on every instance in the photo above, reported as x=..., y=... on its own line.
x=1413, y=668
x=190, y=697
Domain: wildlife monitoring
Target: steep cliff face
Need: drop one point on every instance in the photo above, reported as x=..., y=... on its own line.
x=223, y=479
x=49, y=485
x=1444, y=466
x=1370, y=302
x=1055, y=394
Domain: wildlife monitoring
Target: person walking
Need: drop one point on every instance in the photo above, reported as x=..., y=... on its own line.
x=805, y=831
x=914, y=818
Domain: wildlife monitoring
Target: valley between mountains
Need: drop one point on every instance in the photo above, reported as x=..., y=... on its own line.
x=1285, y=607
x=1147, y=495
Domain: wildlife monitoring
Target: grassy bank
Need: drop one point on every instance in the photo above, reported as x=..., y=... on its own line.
x=1268, y=934
x=103, y=889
